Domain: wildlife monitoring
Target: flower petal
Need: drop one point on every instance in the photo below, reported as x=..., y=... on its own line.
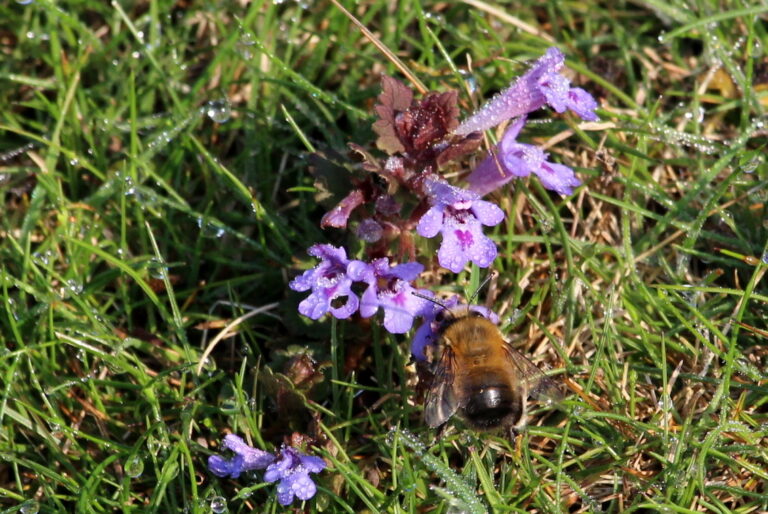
x=483, y=251
x=338, y=216
x=557, y=177
x=523, y=96
x=360, y=271
x=312, y=464
x=452, y=252
x=407, y=270
x=284, y=493
x=369, y=303
x=315, y=305
x=488, y=176
x=221, y=467
x=431, y=222
x=582, y=103
x=487, y=213
x=349, y=307
x=423, y=337
x=555, y=88
x=303, y=487
x=328, y=252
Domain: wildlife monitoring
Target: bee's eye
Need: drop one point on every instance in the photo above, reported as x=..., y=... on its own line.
x=476, y=314
x=440, y=316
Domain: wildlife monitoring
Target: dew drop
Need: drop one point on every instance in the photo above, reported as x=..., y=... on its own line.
x=158, y=269
x=210, y=229
x=74, y=286
x=134, y=467
x=247, y=40
x=29, y=506
x=218, y=504
x=218, y=110
x=752, y=164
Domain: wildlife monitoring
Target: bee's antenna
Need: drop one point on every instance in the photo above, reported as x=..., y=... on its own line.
x=492, y=274
x=431, y=299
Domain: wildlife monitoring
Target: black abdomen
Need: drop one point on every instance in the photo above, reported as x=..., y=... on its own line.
x=492, y=405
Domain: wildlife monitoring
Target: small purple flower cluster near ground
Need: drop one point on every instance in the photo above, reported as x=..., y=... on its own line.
x=290, y=467
x=388, y=287
x=420, y=138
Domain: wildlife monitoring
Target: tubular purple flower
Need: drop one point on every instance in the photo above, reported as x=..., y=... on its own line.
x=246, y=458
x=328, y=281
x=459, y=214
x=515, y=159
x=429, y=331
x=292, y=469
x=541, y=85
x=388, y=287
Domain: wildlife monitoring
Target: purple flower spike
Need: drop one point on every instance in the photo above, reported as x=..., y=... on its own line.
x=541, y=85
x=389, y=288
x=292, y=469
x=429, y=331
x=328, y=281
x=246, y=458
x=459, y=215
x=515, y=159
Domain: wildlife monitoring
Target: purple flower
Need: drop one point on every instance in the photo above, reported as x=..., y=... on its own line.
x=429, y=331
x=338, y=216
x=293, y=469
x=459, y=215
x=539, y=86
x=246, y=458
x=515, y=159
x=370, y=230
x=328, y=281
x=389, y=288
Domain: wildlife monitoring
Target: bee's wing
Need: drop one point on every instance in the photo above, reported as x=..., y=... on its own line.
x=442, y=401
x=537, y=383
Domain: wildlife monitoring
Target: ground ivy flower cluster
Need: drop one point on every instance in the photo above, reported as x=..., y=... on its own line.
x=407, y=194
x=388, y=203
x=289, y=467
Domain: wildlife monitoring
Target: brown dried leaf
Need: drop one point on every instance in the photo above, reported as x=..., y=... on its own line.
x=456, y=149
x=431, y=120
x=395, y=98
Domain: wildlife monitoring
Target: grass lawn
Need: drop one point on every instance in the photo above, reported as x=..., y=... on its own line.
x=163, y=172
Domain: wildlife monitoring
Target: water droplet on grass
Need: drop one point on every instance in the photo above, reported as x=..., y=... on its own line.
x=134, y=467
x=29, y=506
x=218, y=504
x=247, y=40
x=74, y=286
x=218, y=110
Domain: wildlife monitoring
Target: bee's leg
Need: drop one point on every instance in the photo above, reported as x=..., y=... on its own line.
x=523, y=419
x=442, y=429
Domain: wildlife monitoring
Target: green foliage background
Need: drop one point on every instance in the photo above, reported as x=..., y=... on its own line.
x=156, y=187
